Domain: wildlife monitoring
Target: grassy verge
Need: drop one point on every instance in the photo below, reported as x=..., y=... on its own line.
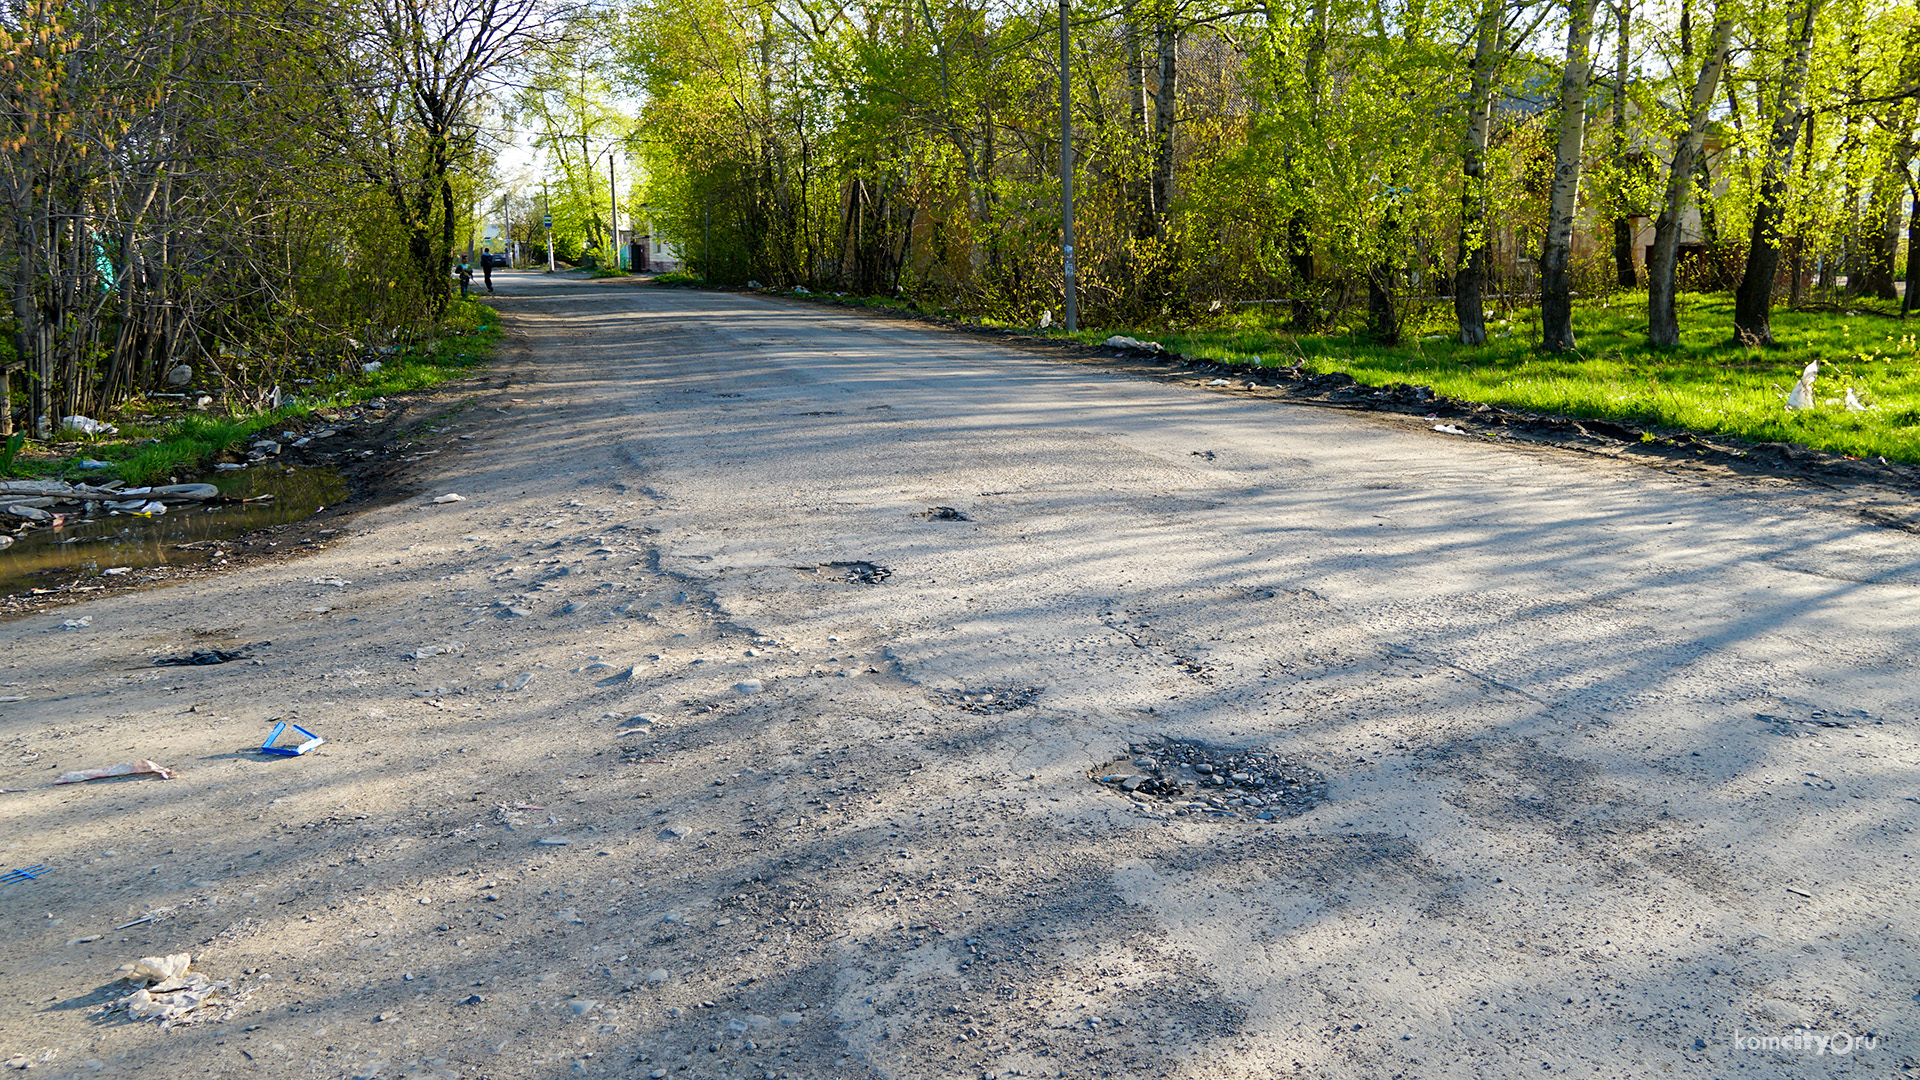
x=152, y=447
x=1707, y=384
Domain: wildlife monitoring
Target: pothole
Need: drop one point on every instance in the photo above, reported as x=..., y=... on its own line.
x=853, y=573
x=991, y=699
x=943, y=513
x=1189, y=778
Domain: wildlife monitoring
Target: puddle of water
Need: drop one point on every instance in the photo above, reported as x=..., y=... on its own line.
x=91, y=545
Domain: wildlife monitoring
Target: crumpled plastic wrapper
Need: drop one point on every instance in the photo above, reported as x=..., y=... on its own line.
x=174, y=995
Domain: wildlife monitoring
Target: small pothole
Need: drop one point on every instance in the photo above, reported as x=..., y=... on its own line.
x=1189, y=778
x=853, y=573
x=943, y=513
x=991, y=699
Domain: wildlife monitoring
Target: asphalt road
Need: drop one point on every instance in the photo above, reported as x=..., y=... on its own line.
x=1596, y=770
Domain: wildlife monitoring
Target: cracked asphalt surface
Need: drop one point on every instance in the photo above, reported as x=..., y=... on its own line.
x=696, y=741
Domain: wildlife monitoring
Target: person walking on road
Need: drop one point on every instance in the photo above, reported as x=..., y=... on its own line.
x=465, y=274
x=486, y=269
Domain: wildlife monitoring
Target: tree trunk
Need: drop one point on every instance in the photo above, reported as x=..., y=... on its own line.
x=1881, y=242
x=1167, y=46
x=1468, y=305
x=1383, y=326
x=1797, y=287
x=1663, y=325
x=1753, y=301
x=1304, y=311
x=1909, y=301
x=1556, y=253
x=1140, y=189
x=1623, y=267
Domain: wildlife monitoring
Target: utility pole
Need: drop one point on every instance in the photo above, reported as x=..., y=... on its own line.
x=1066, y=178
x=706, y=240
x=613, y=214
x=546, y=213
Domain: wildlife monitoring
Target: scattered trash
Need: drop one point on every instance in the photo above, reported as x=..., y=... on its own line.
x=227, y=466
x=1119, y=341
x=203, y=658
x=95, y=463
x=180, y=375
x=753, y=284
x=518, y=682
x=136, y=922
x=1221, y=382
x=1448, y=429
x=173, y=994
x=116, y=571
x=553, y=841
x=30, y=873
x=450, y=498
x=80, y=623
x=87, y=426
x=370, y=367
x=313, y=742
x=1801, y=396
x=334, y=581
x=1046, y=319
x=125, y=768
x=1853, y=403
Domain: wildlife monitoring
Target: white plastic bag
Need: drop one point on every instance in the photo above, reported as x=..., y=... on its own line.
x=1801, y=396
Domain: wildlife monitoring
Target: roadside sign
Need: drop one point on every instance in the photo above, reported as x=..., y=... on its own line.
x=547, y=221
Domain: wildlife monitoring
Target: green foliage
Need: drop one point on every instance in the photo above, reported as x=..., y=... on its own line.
x=1308, y=151
x=10, y=451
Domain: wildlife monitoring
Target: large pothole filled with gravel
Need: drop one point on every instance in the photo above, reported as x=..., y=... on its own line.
x=1189, y=778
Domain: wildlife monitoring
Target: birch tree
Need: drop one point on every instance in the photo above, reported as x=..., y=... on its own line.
x=1753, y=300
x=1662, y=321
x=1556, y=252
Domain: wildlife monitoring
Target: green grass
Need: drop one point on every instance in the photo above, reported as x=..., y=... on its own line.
x=679, y=277
x=150, y=449
x=1707, y=384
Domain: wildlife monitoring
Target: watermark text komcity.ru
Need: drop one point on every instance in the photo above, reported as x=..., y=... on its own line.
x=1800, y=1040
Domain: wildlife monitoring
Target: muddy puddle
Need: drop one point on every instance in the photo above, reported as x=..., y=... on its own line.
x=43, y=558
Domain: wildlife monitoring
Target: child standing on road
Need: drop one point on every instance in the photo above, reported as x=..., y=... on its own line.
x=465, y=273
